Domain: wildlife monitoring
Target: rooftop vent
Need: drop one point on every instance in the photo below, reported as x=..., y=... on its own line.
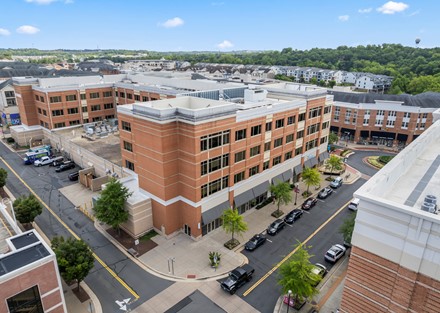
x=430, y=204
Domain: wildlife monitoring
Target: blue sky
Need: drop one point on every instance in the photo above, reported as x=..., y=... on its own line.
x=219, y=25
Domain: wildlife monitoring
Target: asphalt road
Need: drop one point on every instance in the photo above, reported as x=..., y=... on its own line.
x=45, y=182
x=355, y=160
x=265, y=295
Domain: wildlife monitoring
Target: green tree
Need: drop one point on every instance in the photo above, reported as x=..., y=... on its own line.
x=334, y=163
x=74, y=257
x=282, y=194
x=3, y=176
x=296, y=275
x=331, y=83
x=313, y=80
x=311, y=177
x=233, y=224
x=332, y=138
x=347, y=227
x=27, y=209
x=109, y=208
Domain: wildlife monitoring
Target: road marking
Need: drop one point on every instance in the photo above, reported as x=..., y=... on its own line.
x=289, y=225
x=124, y=284
x=268, y=240
x=304, y=211
x=291, y=253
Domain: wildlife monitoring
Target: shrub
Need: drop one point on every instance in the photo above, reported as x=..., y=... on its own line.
x=10, y=140
x=385, y=158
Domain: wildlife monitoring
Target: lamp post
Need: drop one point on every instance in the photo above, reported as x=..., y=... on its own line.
x=289, y=293
x=296, y=192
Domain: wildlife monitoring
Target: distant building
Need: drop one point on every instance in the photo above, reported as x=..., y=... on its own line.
x=395, y=258
x=9, y=112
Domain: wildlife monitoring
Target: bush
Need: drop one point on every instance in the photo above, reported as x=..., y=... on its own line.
x=345, y=152
x=231, y=244
x=385, y=158
x=264, y=203
x=277, y=213
x=10, y=140
x=306, y=194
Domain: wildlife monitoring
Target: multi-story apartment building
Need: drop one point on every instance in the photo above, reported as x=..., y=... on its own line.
x=8, y=104
x=395, y=258
x=29, y=276
x=393, y=119
x=196, y=157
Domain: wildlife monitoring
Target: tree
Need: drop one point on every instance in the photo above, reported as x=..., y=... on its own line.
x=296, y=274
x=347, y=227
x=282, y=194
x=334, y=163
x=311, y=177
x=3, y=176
x=233, y=224
x=74, y=257
x=109, y=208
x=27, y=209
x=332, y=138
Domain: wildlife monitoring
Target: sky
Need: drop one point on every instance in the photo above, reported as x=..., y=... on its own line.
x=219, y=25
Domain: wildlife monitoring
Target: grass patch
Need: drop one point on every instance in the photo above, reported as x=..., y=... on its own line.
x=148, y=235
x=374, y=160
x=345, y=152
x=385, y=158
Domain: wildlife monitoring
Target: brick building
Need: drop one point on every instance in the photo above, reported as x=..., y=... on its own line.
x=382, y=119
x=195, y=157
x=395, y=259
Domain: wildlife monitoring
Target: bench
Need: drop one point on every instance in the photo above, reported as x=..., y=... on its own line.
x=133, y=252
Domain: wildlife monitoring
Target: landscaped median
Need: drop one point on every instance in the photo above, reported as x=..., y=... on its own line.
x=379, y=161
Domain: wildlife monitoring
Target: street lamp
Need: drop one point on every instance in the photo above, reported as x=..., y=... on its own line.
x=289, y=293
x=296, y=192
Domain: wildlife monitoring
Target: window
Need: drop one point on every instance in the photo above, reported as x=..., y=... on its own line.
x=366, y=121
x=75, y=122
x=57, y=112
x=276, y=160
x=240, y=134
x=39, y=111
x=407, y=114
x=347, y=116
x=254, y=170
x=11, y=102
x=84, y=109
x=94, y=95
x=256, y=130
x=298, y=151
x=108, y=106
x=327, y=109
x=287, y=155
x=378, y=122
x=55, y=99
x=97, y=119
x=240, y=156
x=107, y=117
x=214, y=140
x=255, y=151
x=268, y=126
x=41, y=123
x=380, y=112
x=290, y=120
x=126, y=126
x=279, y=123
x=391, y=113
x=315, y=112
x=144, y=99
x=301, y=117
x=267, y=146
x=129, y=165
x=72, y=111
x=323, y=140
x=82, y=96
x=107, y=94
x=37, y=97
x=122, y=94
x=128, y=146
x=311, y=144
x=313, y=129
x=289, y=138
x=390, y=123
x=214, y=186
x=300, y=134
x=26, y=301
x=71, y=98
x=44, y=112
x=325, y=125
x=422, y=126
x=129, y=96
x=95, y=107
x=59, y=125
x=278, y=142
x=265, y=165
x=214, y=164
x=404, y=124
x=238, y=177
x=137, y=98
x=367, y=112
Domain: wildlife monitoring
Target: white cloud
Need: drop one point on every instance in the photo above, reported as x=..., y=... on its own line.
x=4, y=32
x=174, y=22
x=225, y=44
x=42, y=2
x=414, y=13
x=392, y=7
x=362, y=11
x=215, y=4
x=343, y=18
x=27, y=29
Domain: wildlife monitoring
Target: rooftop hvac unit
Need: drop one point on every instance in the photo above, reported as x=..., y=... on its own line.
x=429, y=207
x=431, y=199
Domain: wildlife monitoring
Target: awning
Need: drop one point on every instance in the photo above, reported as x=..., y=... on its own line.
x=308, y=164
x=298, y=169
x=261, y=189
x=278, y=179
x=243, y=198
x=323, y=156
x=287, y=175
x=215, y=212
x=313, y=162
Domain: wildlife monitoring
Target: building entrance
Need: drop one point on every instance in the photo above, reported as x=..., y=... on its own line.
x=187, y=230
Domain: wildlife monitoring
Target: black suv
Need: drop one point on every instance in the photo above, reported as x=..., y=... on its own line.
x=275, y=227
x=73, y=176
x=65, y=166
x=292, y=216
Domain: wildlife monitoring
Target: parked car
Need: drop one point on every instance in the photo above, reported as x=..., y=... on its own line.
x=336, y=252
x=57, y=162
x=65, y=166
x=275, y=227
x=255, y=242
x=336, y=183
x=292, y=216
x=320, y=271
x=237, y=278
x=354, y=204
x=309, y=203
x=325, y=192
x=73, y=176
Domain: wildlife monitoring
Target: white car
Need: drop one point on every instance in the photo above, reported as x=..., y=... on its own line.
x=335, y=253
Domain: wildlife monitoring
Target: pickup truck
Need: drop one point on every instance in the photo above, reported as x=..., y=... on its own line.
x=46, y=160
x=237, y=278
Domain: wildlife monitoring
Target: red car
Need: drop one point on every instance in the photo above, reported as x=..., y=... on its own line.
x=309, y=203
x=292, y=303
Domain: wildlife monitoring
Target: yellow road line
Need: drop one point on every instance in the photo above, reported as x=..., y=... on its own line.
x=124, y=284
x=7, y=228
x=291, y=253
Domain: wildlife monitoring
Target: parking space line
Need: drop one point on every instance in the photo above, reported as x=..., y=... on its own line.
x=289, y=225
x=269, y=240
x=265, y=276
